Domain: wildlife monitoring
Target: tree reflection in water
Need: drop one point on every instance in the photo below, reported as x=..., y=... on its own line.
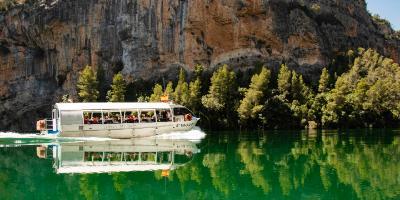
x=275, y=165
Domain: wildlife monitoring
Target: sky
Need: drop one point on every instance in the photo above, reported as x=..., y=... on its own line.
x=387, y=9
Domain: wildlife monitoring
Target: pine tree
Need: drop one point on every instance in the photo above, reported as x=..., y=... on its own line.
x=284, y=80
x=118, y=89
x=318, y=103
x=221, y=91
x=169, y=90
x=252, y=103
x=299, y=90
x=194, y=95
x=157, y=93
x=295, y=87
x=324, y=81
x=88, y=85
x=198, y=71
x=181, y=94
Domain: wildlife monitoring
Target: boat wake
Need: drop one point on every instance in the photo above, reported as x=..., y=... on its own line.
x=194, y=135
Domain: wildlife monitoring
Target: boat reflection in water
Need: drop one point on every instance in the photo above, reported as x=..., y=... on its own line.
x=145, y=154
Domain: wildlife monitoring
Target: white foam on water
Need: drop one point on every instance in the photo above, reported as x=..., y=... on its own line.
x=196, y=134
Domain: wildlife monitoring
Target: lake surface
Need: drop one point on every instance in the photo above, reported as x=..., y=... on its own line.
x=223, y=165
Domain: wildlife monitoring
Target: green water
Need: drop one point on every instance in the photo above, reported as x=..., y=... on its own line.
x=230, y=165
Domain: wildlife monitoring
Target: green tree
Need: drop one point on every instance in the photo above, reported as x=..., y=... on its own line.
x=198, y=70
x=157, y=93
x=323, y=81
x=118, y=89
x=299, y=90
x=169, y=90
x=277, y=113
x=181, y=94
x=297, y=96
x=284, y=80
x=319, y=102
x=368, y=94
x=221, y=91
x=252, y=103
x=194, y=95
x=221, y=100
x=88, y=85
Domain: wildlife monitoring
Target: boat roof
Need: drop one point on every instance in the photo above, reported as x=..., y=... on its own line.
x=114, y=106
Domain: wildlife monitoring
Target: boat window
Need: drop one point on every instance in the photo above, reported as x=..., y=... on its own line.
x=131, y=117
x=147, y=116
x=132, y=156
x=71, y=117
x=114, y=156
x=164, y=115
x=93, y=156
x=181, y=111
x=92, y=117
x=148, y=156
x=112, y=117
x=164, y=157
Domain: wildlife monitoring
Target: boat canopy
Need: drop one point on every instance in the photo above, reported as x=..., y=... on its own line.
x=112, y=106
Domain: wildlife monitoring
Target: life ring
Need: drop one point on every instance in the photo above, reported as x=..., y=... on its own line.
x=188, y=117
x=40, y=125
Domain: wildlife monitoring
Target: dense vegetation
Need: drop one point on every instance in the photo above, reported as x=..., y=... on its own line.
x=366, y=93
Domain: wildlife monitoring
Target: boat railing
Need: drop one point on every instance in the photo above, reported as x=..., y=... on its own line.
x=44, y=125
x=49, y=124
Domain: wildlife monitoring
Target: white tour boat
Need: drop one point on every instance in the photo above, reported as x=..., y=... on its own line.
x=116, y=120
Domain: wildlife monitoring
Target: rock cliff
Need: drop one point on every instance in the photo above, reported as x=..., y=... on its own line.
x=44, y=45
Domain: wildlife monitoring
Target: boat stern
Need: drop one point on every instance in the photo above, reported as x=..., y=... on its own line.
x=47, y=127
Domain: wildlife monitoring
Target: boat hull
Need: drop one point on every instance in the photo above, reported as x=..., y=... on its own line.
x=124, y=131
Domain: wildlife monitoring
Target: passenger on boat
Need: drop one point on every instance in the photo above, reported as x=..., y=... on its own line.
x=169, y=116
x=162, y=116
x=107, y=120
x=188, y=117
x=86, y=120
x=95, y=120
x=131, y=119
x=116, y=119
x=145, y=118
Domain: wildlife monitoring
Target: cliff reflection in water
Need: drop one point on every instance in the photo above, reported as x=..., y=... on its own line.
x=230, y=165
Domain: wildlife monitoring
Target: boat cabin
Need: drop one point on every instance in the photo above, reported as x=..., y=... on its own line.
x=78, y=117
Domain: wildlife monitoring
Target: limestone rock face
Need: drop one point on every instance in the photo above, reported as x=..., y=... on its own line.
x=44, y=45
